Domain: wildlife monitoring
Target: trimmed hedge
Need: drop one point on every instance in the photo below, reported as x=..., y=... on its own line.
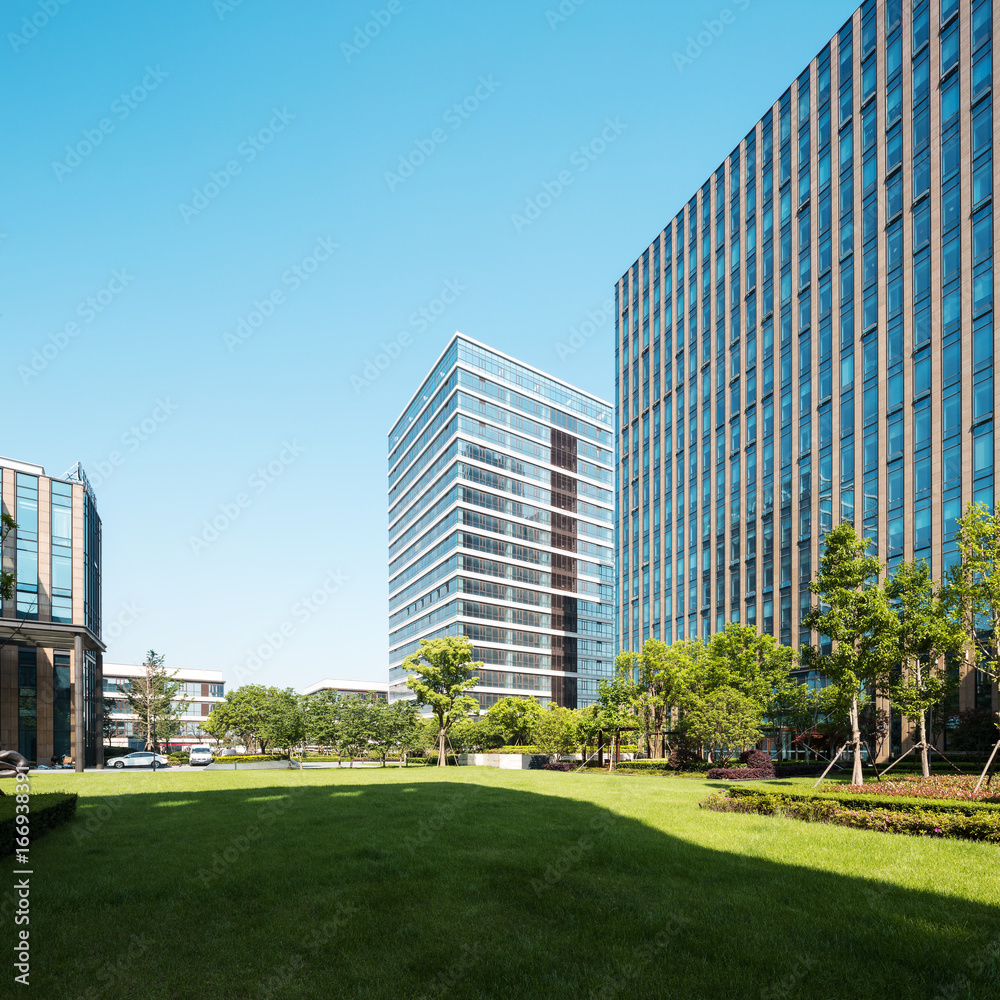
x=255, y=758
x=47, y=810
x=892, y=803
x=559, y=765
x=914, y=820
x=740, y=773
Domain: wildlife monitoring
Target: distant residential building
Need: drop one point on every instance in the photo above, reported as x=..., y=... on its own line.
x=201, y=688
x=375, y=690
x=501, y=527
x=50, y=631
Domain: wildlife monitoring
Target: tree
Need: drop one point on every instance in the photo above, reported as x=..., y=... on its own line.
x=757, y=664
x=153, y=699
x=513, y=718
x=972, y=594
x=441, y=671
x=554, y=731
x=855, y=614
x=355, y=726
x=972, y=588
x=392, y=726
x=927, y=635
x=283, y=722
x=797, y=709
x=724, y=718
x=245, y=717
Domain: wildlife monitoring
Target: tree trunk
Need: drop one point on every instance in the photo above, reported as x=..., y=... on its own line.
x=857, y=777
x=442, y=761
x=925, y=760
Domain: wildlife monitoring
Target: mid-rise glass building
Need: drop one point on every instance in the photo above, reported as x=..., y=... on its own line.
x=501, y=526
x=50, y=631
x=811, y=339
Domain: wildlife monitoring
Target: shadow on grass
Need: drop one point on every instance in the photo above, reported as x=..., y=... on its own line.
x=461, y=888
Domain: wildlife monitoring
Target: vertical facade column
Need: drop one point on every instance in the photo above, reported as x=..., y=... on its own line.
x=79, y=722
x=99, y=714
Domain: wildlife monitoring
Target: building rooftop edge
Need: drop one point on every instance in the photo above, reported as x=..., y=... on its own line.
x=503, y=354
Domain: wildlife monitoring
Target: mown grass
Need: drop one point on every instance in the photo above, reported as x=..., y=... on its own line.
x=476, y=883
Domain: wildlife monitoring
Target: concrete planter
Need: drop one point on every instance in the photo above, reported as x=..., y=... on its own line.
x=504, y=761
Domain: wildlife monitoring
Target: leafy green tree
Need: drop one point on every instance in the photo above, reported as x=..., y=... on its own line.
x=245, y=717
x=757, y=665
x=972, y=588
x=927, y=635
x=355, y=727
x=554, y=731
x=972, y=592
x=854, y=612
x=514, y=719
x=725, y=718
x=392, y=726
x=798, y=710
x=283, y=724
x=441, y=671
x=156, y=702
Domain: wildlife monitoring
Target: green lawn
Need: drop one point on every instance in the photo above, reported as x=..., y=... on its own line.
x=472, y=882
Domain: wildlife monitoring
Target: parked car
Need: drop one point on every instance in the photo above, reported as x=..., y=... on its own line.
x=200, y=755
x=142, y=758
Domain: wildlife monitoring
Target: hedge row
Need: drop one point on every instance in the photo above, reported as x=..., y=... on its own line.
x=915, y=821
x=255, y=758
x=893, y=803
x=47, y=810
x=740, y=773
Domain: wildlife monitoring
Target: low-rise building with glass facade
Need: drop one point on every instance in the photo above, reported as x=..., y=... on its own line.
x=199, y=692
x=50, y=630
x=501, y=526
x=811, y=339
x=372, y=690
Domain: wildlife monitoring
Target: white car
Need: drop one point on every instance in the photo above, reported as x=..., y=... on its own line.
x=200, y=755
x=142, y=758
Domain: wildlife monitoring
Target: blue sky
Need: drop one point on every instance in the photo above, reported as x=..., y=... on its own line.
x=215, y=216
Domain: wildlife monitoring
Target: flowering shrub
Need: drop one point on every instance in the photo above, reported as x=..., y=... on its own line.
x=944, y=786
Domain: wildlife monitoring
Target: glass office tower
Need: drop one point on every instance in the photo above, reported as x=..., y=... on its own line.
x=51, y=652
x=811, y=339
x=501, y=527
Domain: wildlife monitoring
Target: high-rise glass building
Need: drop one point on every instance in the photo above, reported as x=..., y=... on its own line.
x=501, y=526
x=50, y=630
x=810, y=340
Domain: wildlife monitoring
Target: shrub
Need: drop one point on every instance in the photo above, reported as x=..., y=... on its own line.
x=559, y=765
x=740, y=773
x=915, y=820
x=48, y=811
x=683, y=755
x=757, y=760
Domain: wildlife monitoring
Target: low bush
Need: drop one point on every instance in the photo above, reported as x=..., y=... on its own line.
x=795, y=770
x=915, y=820
x=851, y=798
x=47, y=810
x=559, y=765
x=255, y=758
x=740, y=773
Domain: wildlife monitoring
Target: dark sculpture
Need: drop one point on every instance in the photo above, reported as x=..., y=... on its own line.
x=12, y=764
